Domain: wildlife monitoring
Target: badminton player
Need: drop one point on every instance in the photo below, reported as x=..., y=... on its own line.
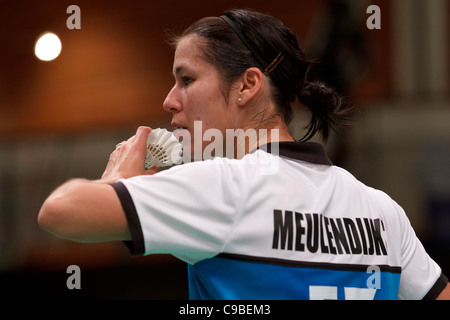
x=305, y=230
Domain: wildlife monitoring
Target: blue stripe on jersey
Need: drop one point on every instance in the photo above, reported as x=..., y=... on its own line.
x=228, y=279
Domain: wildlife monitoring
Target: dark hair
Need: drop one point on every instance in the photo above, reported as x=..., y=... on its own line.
x=270, y=36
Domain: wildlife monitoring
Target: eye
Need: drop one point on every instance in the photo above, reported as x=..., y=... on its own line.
x=187, y=81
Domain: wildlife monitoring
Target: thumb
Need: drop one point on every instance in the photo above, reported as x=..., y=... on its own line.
x=142, y=134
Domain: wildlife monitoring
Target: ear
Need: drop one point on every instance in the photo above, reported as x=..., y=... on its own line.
x=251, y=85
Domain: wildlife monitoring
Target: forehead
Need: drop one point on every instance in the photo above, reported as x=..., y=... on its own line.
x=189, y=54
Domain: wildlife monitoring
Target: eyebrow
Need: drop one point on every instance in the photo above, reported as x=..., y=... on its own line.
x=179, y=70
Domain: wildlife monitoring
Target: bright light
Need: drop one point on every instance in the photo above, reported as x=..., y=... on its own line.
x=48, y=47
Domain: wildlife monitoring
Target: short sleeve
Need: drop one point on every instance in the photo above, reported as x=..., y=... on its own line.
x=187, y=211
x=421, y=276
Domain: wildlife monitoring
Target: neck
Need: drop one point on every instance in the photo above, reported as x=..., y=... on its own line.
x=250, y=139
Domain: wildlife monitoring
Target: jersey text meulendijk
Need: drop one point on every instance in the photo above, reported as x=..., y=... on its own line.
x=314, y=232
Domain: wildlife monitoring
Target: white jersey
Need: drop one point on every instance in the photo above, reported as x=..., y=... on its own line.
x=287, y=226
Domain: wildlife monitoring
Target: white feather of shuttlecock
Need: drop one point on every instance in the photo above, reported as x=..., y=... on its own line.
x=163, y=149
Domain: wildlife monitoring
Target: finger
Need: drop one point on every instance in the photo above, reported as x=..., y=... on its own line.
x=142, y=133
x=119, y=144
x=152, y=170
x=131, y=139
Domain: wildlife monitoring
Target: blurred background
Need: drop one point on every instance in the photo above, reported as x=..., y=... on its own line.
x=62, y=118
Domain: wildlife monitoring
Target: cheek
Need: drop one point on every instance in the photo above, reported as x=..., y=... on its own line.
x=208, y=107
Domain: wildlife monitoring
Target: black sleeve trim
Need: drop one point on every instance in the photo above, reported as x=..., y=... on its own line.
x=136, y=246
x=437, y=288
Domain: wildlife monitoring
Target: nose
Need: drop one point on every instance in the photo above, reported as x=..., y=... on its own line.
x=172, y=103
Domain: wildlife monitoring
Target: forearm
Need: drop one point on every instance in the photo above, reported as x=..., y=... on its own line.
x=90, y=211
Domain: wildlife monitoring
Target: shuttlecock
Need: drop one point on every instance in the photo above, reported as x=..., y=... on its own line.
x=163, y=149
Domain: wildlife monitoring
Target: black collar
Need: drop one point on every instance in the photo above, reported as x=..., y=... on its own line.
x=306, y=151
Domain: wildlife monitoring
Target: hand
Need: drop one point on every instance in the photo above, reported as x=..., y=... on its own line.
x=128, y=159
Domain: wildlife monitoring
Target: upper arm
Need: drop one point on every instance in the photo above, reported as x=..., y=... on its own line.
x=84, y=211
x=445, y=294
x=421, y=276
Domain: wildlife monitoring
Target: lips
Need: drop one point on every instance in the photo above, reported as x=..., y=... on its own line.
x=180, y=131
x=177, y=126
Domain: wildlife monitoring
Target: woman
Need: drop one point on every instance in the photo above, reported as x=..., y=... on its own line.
x=306, y=230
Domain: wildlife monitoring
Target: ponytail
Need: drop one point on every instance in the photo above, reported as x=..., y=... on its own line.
x=328, y=108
